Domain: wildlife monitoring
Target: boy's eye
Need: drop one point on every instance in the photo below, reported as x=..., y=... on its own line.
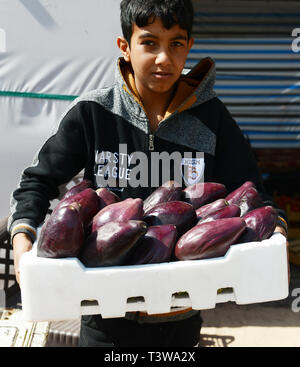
x=177, y=44
x=148, y=43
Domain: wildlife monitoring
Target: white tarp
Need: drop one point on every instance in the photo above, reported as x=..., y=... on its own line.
x=48, y=47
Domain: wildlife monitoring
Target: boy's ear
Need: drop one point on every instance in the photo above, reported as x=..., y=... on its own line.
x=191, y=42
x=124, y=48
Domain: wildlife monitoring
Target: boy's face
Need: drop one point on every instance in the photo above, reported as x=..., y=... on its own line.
x=157, y=56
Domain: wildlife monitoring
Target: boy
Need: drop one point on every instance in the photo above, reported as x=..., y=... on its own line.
x=150, y=109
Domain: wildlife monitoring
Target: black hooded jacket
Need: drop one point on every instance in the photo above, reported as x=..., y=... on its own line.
x=107, y=135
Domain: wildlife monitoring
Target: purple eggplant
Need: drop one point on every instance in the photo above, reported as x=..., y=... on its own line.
x=228, y=211
x=89, y=202
x=62, y=235
x=155, y=247
x=111, y=243
x=82, y=185
x=207, y=209
x=179, y=213
x=169, y=191
x=260, y=224
x=249, y=200
x=234, y=196
x=128, y=209
x=209, y=240
x=107, y=197
x=203, y=193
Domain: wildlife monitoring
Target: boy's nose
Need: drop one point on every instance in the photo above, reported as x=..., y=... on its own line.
x=163, y=58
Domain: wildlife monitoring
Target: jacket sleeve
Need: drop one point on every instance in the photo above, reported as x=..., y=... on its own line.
x=61, y=157
x=235, y=162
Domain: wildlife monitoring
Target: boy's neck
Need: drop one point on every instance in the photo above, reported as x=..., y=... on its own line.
x=155, y=105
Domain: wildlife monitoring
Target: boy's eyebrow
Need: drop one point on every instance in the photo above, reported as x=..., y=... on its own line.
x=151, y=35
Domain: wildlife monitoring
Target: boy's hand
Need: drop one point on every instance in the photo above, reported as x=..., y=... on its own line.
x=283, y=231
x=21, y=244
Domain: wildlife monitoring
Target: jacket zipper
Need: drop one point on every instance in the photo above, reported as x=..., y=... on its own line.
x=151, y=136
x=151, y=142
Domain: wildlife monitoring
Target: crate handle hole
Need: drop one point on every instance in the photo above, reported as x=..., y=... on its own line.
x=139, y=299
x=181, y=295
x=89, y=302
x=227, y=290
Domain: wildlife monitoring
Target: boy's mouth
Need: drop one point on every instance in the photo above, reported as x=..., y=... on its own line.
x=161, y=75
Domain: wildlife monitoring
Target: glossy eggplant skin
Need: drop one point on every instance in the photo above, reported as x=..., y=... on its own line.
x=260, y=224
x=169, y=191
x=107, y=197
x=179, y=213
x=128, y=209
x=82, y=185
x=249, y=200
x=62, y=234
x=89, y=202
x=155, y=247
x=209, y=240
x=228, y=211
x=111, y=243
x=234, y=196
x=203, y=193
x=209, y=208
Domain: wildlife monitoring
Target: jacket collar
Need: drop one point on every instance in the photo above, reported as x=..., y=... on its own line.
x=193, y=88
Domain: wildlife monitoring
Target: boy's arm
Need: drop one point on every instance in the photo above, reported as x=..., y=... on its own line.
x=21, y=243
x=61, y=157
x=236, y=163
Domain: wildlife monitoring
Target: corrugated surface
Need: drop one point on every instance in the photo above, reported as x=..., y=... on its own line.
x=15, y=332
x=63, y=334
x=258, y=73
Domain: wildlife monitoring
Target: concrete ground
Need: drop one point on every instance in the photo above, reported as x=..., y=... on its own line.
x=270, y=324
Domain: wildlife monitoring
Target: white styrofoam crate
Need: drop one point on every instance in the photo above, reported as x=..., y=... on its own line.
x=61, y=289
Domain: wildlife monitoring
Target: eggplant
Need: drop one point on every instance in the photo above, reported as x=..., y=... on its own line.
x=110, y=244
x=89, y=202
x=260, y=224
x=228, y=211
x=62, y=234
x=249, y=200
x=234, y=196
x=128, y=209
x=179, y=213
x=203, y=193
x=209, y=240
x=82, y=185
x=207, y=209
x=106, y=197
x=169, y=191
x=155, y=247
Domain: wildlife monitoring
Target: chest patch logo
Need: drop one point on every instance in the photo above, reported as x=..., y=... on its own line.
x=192, y=170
